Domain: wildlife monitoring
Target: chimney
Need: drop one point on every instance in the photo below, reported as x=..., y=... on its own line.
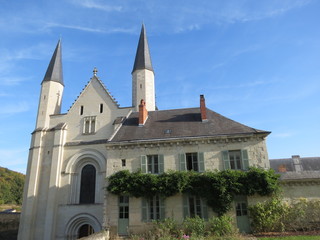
x=143, y=113
x=297, y=163
x=203, y=109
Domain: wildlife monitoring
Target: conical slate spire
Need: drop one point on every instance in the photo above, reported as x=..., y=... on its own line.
x=143, y=59
x=54, y=71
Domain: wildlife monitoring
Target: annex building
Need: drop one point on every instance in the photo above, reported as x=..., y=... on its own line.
x=72, y=153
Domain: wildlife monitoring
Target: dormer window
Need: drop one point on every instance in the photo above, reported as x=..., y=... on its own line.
x=89, y=125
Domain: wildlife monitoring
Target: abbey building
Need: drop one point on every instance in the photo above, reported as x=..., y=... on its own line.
x=72, y=153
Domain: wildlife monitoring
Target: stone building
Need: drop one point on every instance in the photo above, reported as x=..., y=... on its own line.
x=299, y=176
x=72, y=153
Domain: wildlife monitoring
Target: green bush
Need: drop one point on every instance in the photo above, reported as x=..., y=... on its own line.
x=269, y=216
x=277, y=215
x=221, y=226
x=194, y=226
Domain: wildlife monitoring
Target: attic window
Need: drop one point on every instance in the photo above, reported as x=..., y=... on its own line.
x=89, y=125
x=167, y=131
x=101, y=108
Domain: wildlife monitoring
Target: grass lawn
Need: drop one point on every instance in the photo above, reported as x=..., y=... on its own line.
x=292, y=238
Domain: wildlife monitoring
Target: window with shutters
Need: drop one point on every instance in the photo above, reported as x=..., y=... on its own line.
x=194, y=206
x=152, y=164
x=236, y=159
x=89, y=125
x=192, y=161
x=153, y=208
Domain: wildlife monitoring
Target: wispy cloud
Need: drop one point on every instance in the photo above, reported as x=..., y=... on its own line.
x=11, y=81
x=88, y=29
x=14, y=108
x=98, y=5
x=283, y=134
x=14, y=159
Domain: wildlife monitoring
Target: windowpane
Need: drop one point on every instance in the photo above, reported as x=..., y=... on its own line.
x=88, y=184
x=192, y=161
x=235, y=159
x=153, y=164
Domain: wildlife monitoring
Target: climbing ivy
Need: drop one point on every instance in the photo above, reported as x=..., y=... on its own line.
x=218, y=188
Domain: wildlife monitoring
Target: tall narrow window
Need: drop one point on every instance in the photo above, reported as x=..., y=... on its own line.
x=101, y=108
x=194, y=206
x=153, y=208
x=88, y=184
x=81, y=110
x=89, y=125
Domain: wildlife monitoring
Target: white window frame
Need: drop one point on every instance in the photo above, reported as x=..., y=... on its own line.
x=89, y=125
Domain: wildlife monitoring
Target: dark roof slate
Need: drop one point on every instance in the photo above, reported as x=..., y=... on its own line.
x=143, y=59
x=54, y=70
x=307, y=163
x=179, y=123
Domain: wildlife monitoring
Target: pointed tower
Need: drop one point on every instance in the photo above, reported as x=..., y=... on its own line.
x=51, y=90
x=143, y=75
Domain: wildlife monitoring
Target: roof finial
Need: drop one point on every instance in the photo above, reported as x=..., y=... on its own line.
x=95, y=70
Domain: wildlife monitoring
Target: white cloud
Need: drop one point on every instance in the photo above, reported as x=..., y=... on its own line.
x=283, y=134
x=14, y=159
x=97, y=5
x=14, y=108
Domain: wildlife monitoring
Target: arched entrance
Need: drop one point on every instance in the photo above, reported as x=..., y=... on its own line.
x=85, y=230
x=82, y=225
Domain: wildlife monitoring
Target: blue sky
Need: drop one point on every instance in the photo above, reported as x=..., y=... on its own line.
x=256, y=62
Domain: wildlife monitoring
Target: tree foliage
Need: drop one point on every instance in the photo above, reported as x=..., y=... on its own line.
x=11, y=186
x=218, y=188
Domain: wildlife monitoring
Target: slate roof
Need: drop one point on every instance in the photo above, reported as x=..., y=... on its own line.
x=54, y=70
x=143, y=59
x=180, y=123
x=307, y=164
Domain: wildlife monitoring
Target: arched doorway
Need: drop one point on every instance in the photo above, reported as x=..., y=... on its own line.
x=85, y=230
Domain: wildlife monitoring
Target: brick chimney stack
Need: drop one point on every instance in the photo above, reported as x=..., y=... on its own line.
x=143, y=113
x=203, y=109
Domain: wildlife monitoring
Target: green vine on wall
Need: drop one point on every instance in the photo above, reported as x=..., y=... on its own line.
x=218, y=188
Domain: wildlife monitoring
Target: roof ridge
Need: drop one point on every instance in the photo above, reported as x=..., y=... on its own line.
x=103, y=86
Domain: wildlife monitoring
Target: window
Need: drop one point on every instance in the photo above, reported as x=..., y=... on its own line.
x=241, y=209
x=153, y=208
x=88, y=184
x=89, y=125
x=123, y=162
x=194, y=206
x=191, y=162
x=152, y=164
x=235, y=159
x=81, y=110
x=123, y=207
x=101, y=108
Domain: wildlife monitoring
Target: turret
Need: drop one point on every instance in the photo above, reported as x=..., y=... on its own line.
x=143, y=75
x=51, y=90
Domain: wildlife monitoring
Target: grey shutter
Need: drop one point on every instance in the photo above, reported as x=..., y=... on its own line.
x=186, y=206
x=204, y=209
x=143, y=160
x=201, y=162
x=182, y=162
x=162, y=208
x=144, y=210
x=245, y=159
x=226, y=160
x=161, y=163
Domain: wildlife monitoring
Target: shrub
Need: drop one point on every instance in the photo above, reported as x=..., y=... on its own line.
x=194, y=226
x=269, y=216
x=221, y=226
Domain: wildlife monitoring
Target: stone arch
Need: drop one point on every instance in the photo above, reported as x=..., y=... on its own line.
x=74, y=167
x=75, y=223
